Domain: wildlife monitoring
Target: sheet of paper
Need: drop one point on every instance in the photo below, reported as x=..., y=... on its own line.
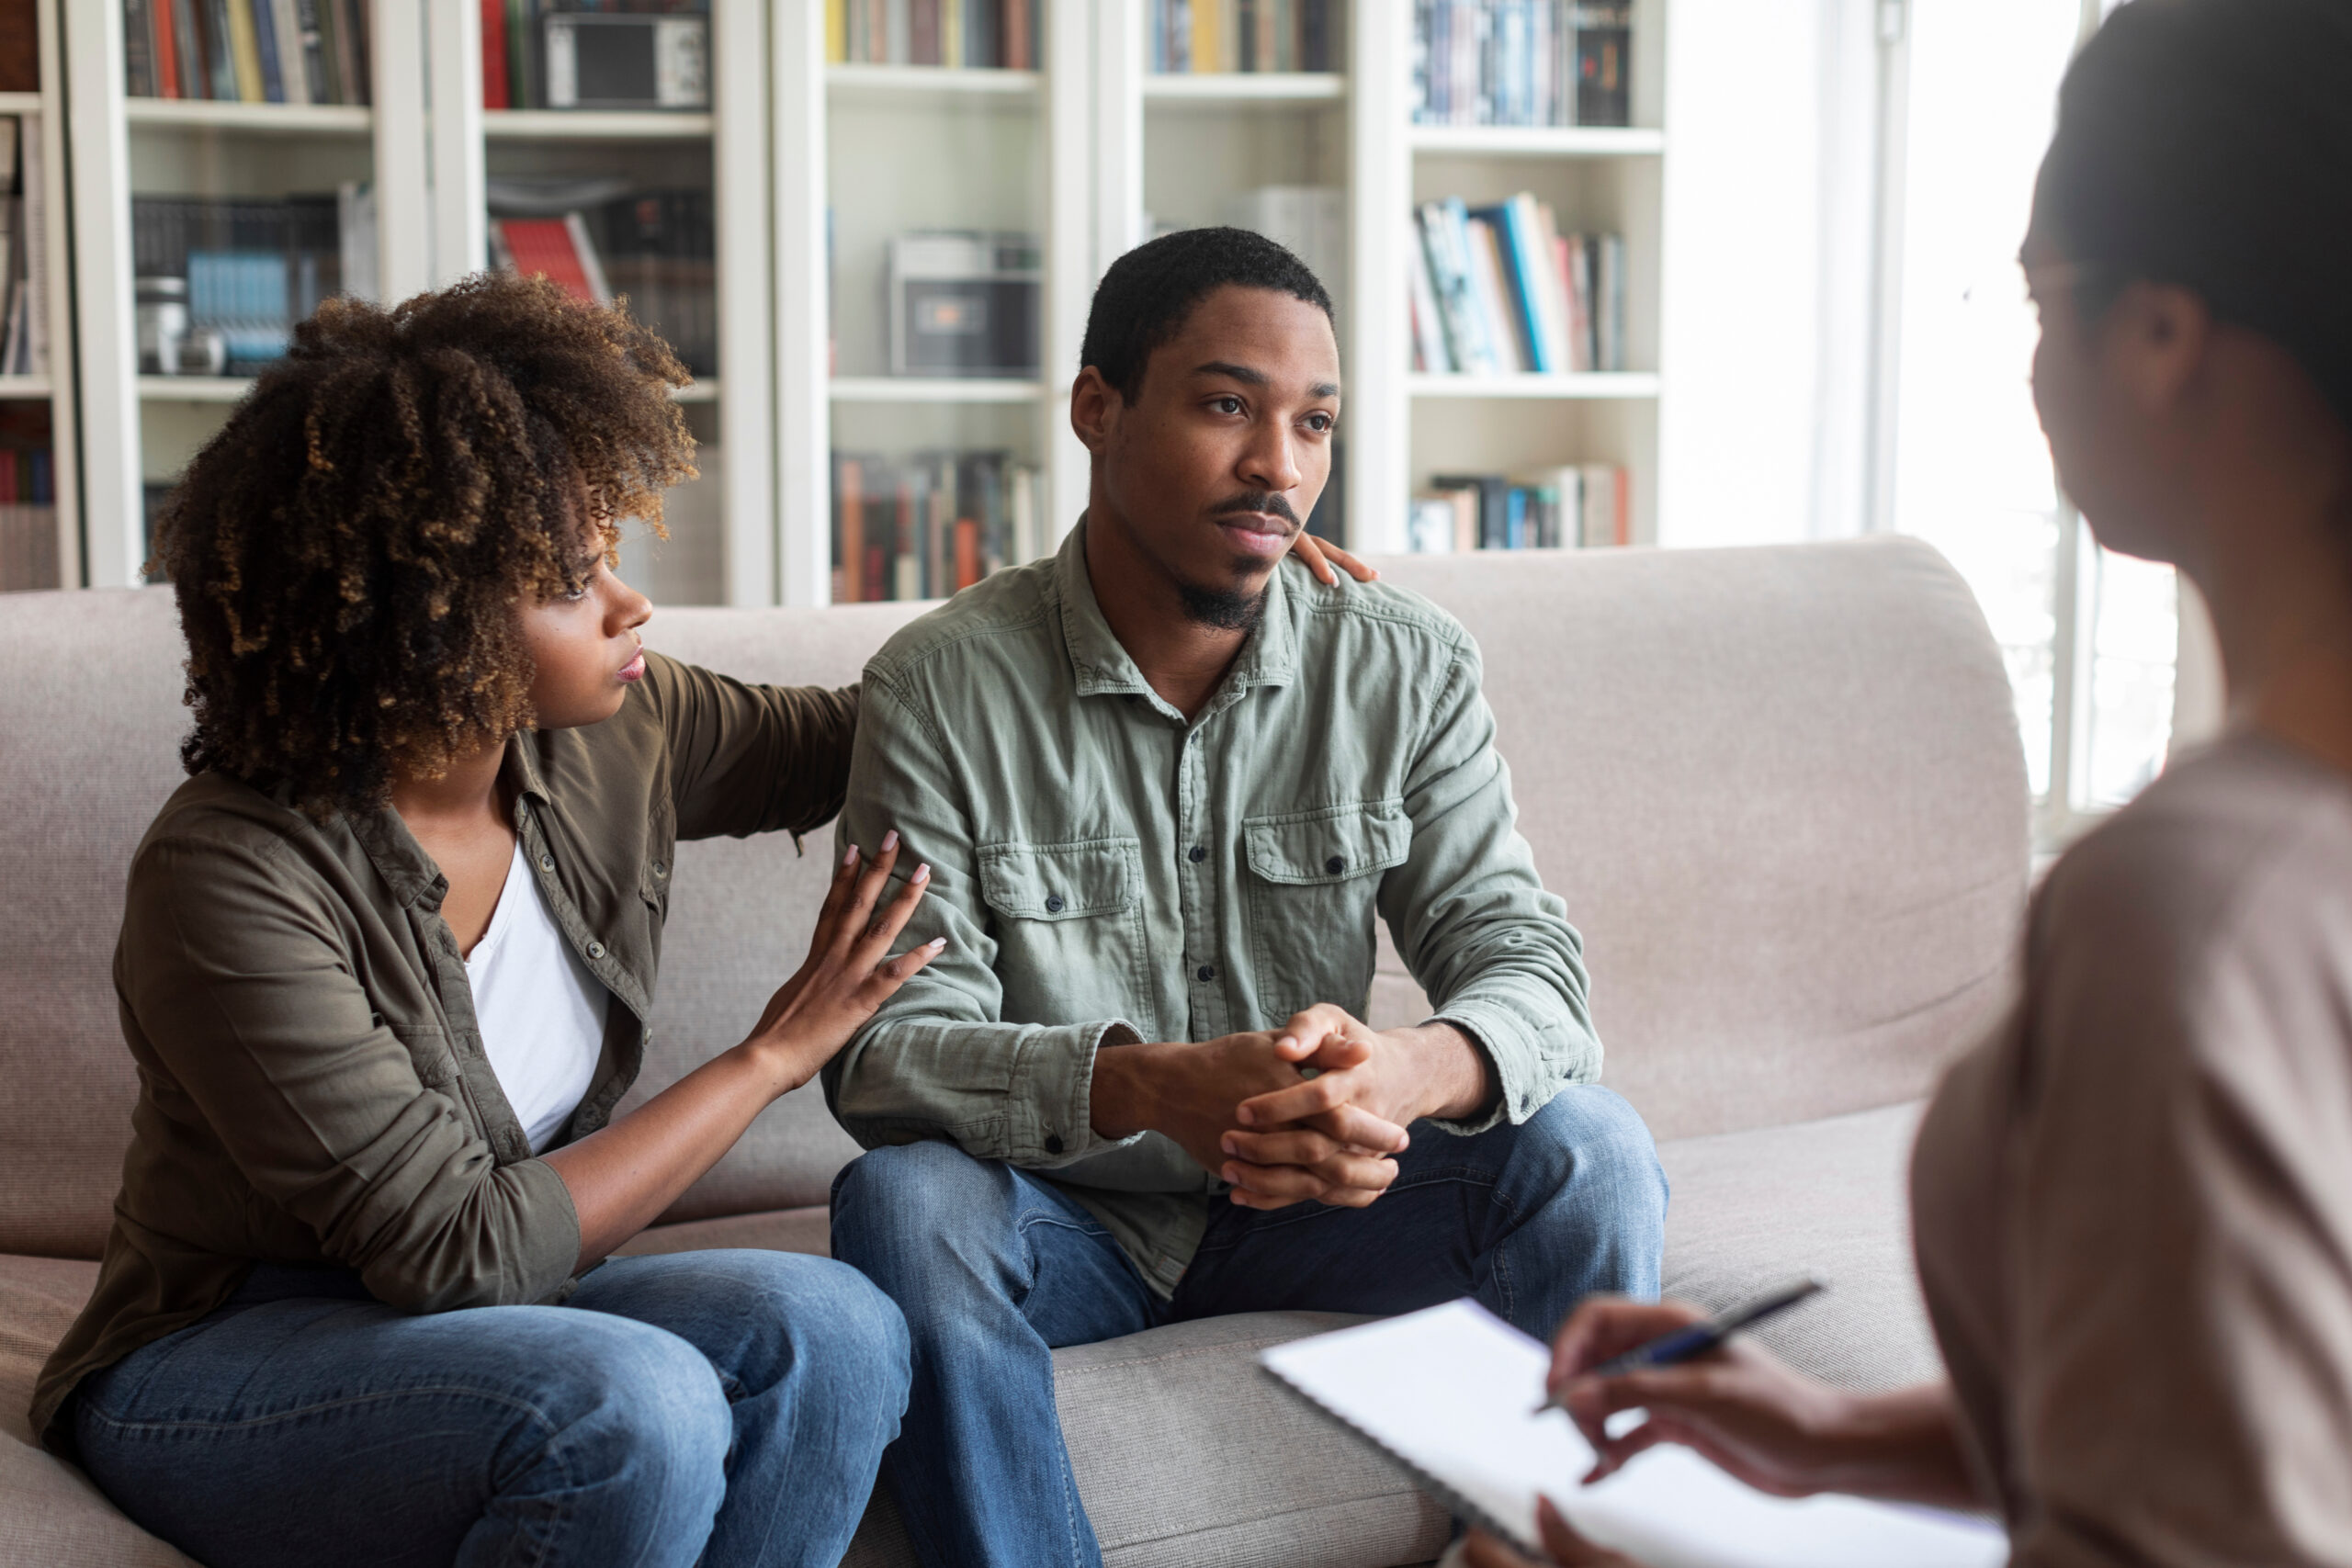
x=1451, y=1392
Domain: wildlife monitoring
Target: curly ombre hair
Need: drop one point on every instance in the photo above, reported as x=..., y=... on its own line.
x=352, y=551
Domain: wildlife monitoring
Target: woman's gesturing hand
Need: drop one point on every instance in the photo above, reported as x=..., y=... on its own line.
x=849, y=972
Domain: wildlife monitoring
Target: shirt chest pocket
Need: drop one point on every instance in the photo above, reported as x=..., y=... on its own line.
x=1314, y=892
x=1068, y=919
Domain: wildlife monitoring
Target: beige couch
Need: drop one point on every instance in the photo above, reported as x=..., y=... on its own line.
x=1780, y=790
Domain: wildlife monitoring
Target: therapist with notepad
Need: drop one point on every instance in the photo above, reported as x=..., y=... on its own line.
x=2133, y=1207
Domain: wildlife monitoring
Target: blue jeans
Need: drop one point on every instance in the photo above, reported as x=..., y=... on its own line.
x=995, y=1268
x=726, y=1407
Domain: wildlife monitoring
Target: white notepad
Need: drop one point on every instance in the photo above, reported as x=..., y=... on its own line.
x=1449, y=1392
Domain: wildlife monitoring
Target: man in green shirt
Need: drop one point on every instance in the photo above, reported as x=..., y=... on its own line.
x=1164, y=787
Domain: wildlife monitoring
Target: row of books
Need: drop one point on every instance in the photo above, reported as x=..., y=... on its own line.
x=24, y=252
x=596, y=54
x=253, y=268
x=1522, y=61
x=1578, y=506
x=970, y=34
x=1207, y=36
x=925, y=525
x=248, y=51
x=655, y=248
x=1499, y=290
x=27, y=498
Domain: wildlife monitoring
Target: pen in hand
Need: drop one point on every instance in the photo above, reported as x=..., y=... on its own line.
x=1697, y=1338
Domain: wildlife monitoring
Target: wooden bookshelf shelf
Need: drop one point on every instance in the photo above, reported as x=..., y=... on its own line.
x=1245, y=87
x=588, y=125
x=852, y=84
x=280, y=119
x=933, y=389
x=1618, y=386
x=1537, y=142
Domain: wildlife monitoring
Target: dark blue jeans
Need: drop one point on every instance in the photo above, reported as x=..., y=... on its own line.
x=722, y=1407
x=995, y=1268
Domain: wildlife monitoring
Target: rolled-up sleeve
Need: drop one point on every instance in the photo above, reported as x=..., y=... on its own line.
x=938, y=1061
x=1471, y=919
x=243, y=985
x=747, y=759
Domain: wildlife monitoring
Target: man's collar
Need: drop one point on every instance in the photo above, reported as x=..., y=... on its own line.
x=1101, y=663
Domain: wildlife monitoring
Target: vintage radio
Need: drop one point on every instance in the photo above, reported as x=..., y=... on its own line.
x=606, y=60
x=964, y=304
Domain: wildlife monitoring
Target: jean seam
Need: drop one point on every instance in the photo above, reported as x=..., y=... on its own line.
x=127, y=1427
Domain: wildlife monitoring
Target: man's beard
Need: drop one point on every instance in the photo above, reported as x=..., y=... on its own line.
x=1226, y=609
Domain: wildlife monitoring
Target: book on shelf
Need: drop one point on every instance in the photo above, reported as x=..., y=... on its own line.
x=1221, y=37
x=19, y=46
x=24, y=250
x=924, y=526
x=253, y=51
x=1498, y=290
x=28, y=557
x=964, y=34
x=1522, y=62
x=603, y=239
x=1575, y=506
x=557, y=248
x=252, y=268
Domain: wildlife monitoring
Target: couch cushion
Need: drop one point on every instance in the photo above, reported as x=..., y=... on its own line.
x=1827, y=1198
x=51, y=1517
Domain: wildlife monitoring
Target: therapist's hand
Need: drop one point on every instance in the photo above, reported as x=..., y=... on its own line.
x=1562, y=1545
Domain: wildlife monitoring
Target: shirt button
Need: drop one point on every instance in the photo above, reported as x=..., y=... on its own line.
x=1205, y=972
x=1053, y=904
x=595, y=949
x=547, y=863
x=1052, y=1142
x=1335, y=866
x=1197, y=855
x=661, y=868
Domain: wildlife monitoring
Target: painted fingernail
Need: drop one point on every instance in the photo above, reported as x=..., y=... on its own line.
x=922, y=873
x=1288, y=1039
x=1246, y=1116
x=849, y=855
x=889, y=841
x=1227, y=1145
x=935, y=943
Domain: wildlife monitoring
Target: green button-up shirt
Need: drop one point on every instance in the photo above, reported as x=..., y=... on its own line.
x=313, y=1088
x=1107, y=872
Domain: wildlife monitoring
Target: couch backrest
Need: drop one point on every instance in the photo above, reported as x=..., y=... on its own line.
x=1780, y=788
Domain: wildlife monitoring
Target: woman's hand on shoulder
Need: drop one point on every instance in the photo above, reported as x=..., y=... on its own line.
x=849, y=972
x=1322, y=555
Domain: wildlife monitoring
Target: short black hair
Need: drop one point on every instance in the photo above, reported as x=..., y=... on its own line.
x=1148, y=294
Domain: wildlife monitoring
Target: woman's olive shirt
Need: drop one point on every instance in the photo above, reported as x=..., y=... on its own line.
x=313, y=1085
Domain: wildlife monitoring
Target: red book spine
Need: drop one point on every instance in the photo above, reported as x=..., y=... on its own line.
x=852, y=531
x=878, y=574
x=967, y=553
x=167, y=52
x=493, y=54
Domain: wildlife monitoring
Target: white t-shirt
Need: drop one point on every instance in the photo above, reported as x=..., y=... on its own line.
x=542, y=1014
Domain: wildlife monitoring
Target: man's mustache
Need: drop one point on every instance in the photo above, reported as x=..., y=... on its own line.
x=1265, y=501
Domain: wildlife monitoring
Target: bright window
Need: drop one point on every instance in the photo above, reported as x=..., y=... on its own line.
x=2089, y=636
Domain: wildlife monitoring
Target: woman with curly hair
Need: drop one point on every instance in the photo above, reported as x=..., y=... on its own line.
x=385, y=966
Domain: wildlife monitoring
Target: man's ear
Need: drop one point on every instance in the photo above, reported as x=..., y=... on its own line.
x=2154, y=341
x=1094, y=407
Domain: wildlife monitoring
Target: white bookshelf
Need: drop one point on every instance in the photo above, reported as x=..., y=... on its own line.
x=1077, y=152
x=57, y=390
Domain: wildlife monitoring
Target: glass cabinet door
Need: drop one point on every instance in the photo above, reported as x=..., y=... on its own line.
x=935, y=169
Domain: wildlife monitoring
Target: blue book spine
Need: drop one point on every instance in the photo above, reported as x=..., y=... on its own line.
x=1486, y=356
x=1518, y=249
x=1515, y=520
x=273, y=79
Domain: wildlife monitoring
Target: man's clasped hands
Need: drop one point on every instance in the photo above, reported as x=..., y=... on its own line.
x=1315, y=1110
